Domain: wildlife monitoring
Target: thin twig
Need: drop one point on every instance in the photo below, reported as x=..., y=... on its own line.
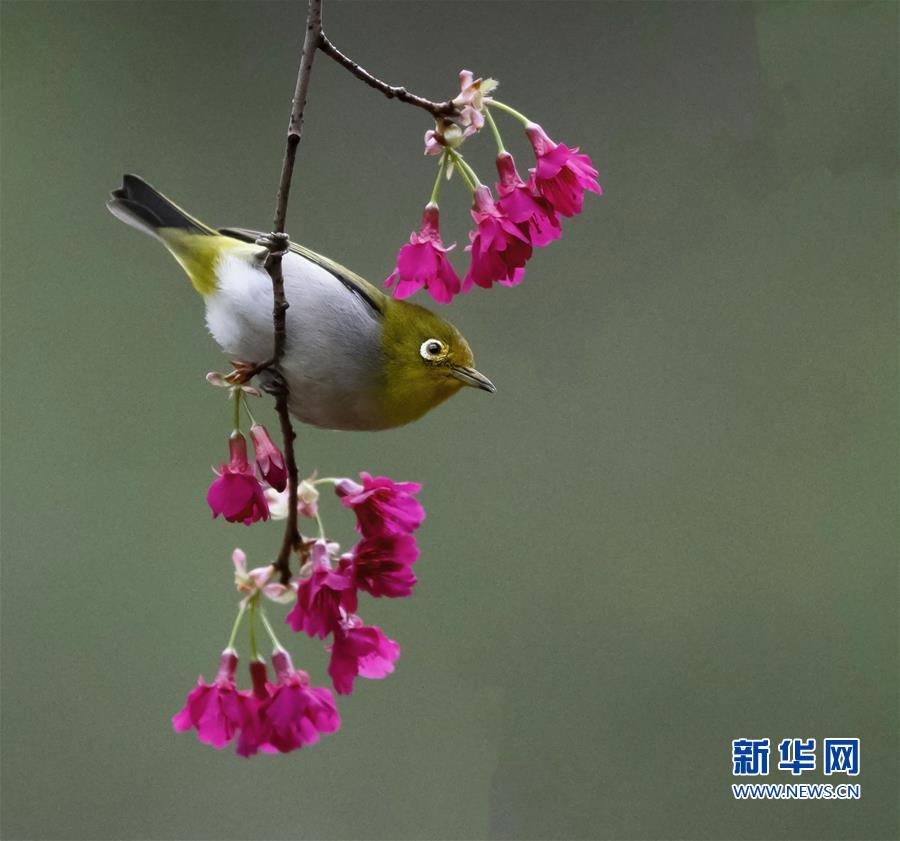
x=295, y=127
x=436, y=109
x=277, y=243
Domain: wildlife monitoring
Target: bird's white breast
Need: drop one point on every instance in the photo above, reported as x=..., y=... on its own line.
x=332, y=358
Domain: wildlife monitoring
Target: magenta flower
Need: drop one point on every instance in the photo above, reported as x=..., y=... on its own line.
x=217, y=710
x=269, y=459
x=360, y=650
x=295, y=713
x=561, y=175
x=382, y=565
x=423, y=262
x=532, y=213
x=255, y=732
x=320, y=598
x=498, y=247
x=382, y=507
x=237, y=494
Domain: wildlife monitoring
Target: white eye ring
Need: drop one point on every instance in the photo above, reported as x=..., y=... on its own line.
x=431, y=349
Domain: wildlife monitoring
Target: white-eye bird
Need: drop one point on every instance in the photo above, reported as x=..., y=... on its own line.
x=355, y=358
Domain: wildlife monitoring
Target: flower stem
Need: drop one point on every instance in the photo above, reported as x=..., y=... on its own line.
x=237, y=393
x=268, y=627
x=511, y=111
x=321, y=525
x=254, y=652
x=237, y=624
x=437, y=181
x=249, y=413
x=326, y=480
x=494, y=130
x=467, y=173
x=472, y=174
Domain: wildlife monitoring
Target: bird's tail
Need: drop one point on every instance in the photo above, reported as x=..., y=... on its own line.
x=143, y=207
x=196, y=246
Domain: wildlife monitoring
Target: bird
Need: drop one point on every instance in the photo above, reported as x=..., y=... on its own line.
x=355, y=358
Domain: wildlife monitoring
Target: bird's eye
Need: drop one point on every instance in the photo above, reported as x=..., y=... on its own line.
x=431, y=349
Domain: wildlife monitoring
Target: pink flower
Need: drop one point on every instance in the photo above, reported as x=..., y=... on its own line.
x=471, y=120
x=499, y=248
x=221, y=381
x=471, y=101
x=382, y=507
x=433, y=143
x=255, y=731
x=561, y=175
x=269, y=458
x=320, y=597
x=532, y=213
x=382, y=565
x=469, y=116
x=260, y=580
x=423, y=262
x=294, y=713
x=237, y=494
x=445, y=134
x=217, y=710
x=360, y=650
x=307, y=500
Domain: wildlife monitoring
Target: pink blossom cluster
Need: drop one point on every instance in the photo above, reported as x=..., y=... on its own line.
x=271, y=717
x=380, y=564
x=283, y=714
x=523, y=215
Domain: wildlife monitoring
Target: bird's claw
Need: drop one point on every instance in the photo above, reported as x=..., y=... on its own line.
x=275, y=243
x=273, y=383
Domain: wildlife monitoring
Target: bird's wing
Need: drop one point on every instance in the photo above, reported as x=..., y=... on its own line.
x=374, y=297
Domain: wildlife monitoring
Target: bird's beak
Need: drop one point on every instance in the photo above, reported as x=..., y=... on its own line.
x=471, y=377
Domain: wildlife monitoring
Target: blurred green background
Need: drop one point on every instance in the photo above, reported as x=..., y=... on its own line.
x=673, y=526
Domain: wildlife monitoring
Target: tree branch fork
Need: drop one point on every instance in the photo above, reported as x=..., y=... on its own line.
x=277, y=244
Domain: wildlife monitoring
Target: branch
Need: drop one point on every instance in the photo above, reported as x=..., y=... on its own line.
x=311, y=41
x=436, y=109
x=277, y=243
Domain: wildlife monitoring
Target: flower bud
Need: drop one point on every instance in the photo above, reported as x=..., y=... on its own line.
x=307, y=499
x=259, y=677
x=227, y=665
x=269, y=459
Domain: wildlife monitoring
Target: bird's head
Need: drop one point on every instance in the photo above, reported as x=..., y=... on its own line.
x=425, y=360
